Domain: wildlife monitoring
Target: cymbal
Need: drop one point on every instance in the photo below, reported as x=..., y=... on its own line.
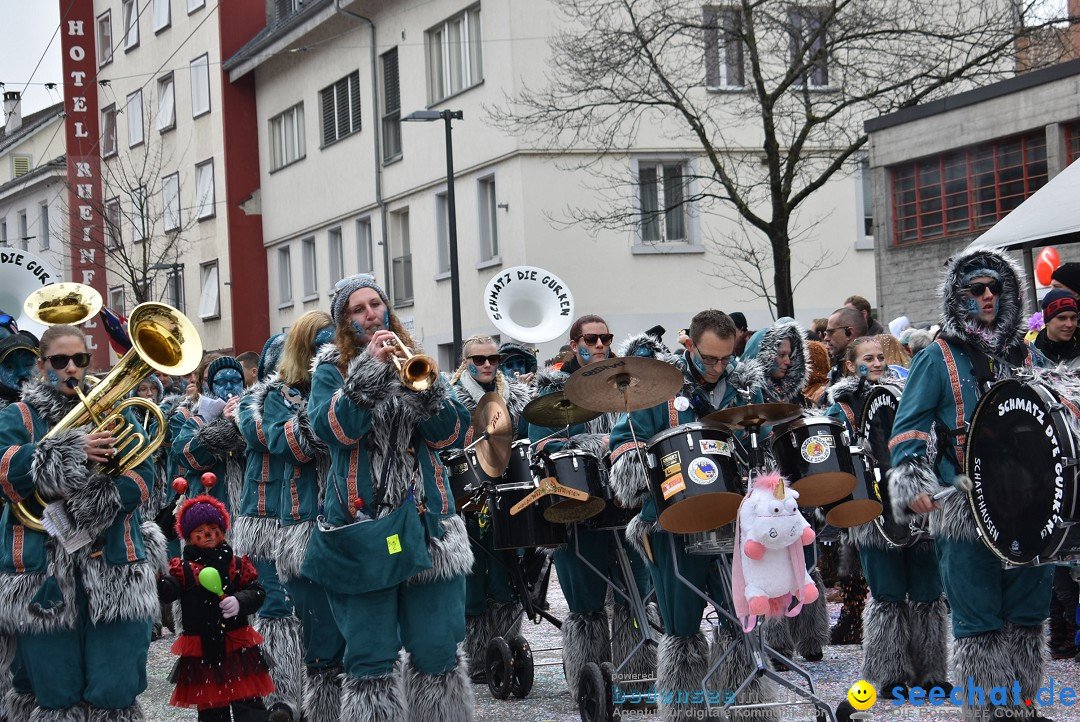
x=743, y=417
x=623, y=384
x=554, y=410
x=492, y=426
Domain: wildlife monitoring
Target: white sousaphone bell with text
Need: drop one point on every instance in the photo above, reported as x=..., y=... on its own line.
x=529, y=304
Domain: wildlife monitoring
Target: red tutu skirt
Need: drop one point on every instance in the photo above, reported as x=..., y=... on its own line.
x=242, y=674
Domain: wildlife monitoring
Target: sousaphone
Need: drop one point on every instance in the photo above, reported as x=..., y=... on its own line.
x=529, y=304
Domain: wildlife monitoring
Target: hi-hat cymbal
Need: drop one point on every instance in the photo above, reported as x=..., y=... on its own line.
x=493, y=427
x=744, y=417
x=623, y=384
x=555, y=411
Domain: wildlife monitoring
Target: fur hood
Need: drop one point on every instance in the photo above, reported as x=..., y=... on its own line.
x=647, y=346
x=844, y=389
x=1006, y=333
x=515, y=394
x=47, y=401
x=764, y=346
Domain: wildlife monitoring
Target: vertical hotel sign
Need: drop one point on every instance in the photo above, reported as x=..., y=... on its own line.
x=85, y=224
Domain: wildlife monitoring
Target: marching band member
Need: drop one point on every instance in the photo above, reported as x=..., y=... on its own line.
x=905, y=642
x=585, y=630
x=711, y=383
x=490, y=608
x=210, y=442
x=781, y=351
x=997, y=613
x=303, y=460
x=391, y=584
x=83, y=618
x=255, y=533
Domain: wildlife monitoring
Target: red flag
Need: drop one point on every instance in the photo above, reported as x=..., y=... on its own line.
x=116, y=327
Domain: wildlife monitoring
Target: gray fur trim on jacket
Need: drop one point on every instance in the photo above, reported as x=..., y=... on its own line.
x=59, y=464
x=94, y=505
x=450, y=556
x=636, y=530
x=255, y=537
x=1006, y=332
x=291, y=548
x=221, y=436
x=789, y=387
x=907, y=480
x=628, y=479
x=516, y=394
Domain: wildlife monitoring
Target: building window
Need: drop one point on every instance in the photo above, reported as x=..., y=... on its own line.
x=162, y=14
x=454, y=55
x=341, y=108
x=44, y=223
x=3, y=233
x=337, y=255
x=442, y=233
x=134, y=112
x=285, y=8
x=138, y=213
x=166, y=103
x=284, y=267
x=193, y=5
x=662, y=198
x=287, y=137
x=108, y=131
x=967, y=190
x=200, y=86
x=391, y=119
x=20, y=165
x=365, y=262
x=1072, y=142
x=311, y=275
x=117, y=300
x=809, y=50
x=174, y=288
x=724, y=48
x=170, y=192
x=209, y=295
x=24, y=232
x=402, y=258
x=488, y=220
x=112, y=223
x=104, y=38
x=867, y=195
x=204, y=190
x=130, y=12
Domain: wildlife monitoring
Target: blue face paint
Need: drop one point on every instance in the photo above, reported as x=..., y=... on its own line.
x=584, y=355
x=228, y=383
x=698, y=364
x=515, y=365
x=54, y=378
x=359, y=328
x=473, y=371
x=386, y=318
x=17, y=368
x=863, y=369
x=643, y=351
x=973, y=307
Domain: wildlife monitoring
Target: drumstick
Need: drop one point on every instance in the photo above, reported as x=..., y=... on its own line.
x=960, y=483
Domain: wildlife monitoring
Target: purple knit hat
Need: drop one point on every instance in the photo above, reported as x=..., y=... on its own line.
x=200, y=510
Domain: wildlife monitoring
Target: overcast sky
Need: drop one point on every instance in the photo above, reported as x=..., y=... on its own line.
x=29, y=25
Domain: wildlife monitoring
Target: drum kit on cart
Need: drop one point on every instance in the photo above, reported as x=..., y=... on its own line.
x=1021, y=453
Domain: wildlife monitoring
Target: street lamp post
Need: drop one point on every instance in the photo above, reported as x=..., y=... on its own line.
x=451, y=216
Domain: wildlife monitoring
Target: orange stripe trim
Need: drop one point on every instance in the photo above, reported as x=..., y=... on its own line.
x=439, y=481
x=335, y=425
x=545, y=442
x=144, y=490
x=958, y=399
x=909, y=436
x=849, y=414
x=262, y=486
x=673, y=413
x=294, y=445
x=27, y=421
x=350, y=481
x=5, y=463
x=18, y=530
x=128, y=541
x=295, y=493
x=192, y=460
x=259, y=431
x=623, y=448
x=451, y=439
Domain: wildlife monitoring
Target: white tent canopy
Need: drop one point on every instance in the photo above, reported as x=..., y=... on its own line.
x=1050, y=215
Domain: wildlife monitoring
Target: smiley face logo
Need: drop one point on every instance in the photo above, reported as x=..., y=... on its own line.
x=862, y=695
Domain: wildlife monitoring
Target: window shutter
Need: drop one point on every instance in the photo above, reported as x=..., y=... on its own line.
x=328, y=126
x=354, y=101
x=22, y=165
x=710, y=20
x=391, y=89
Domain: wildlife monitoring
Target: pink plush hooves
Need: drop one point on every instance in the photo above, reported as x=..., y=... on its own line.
x=755, y=550
x=759, y=605
x=809, y=593
x=808, y=536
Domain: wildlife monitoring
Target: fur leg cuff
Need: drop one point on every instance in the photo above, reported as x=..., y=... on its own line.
x=585, y=639
x=681, y=664
x=59, y=464
x=445, y=697
x=477, y=634
x=367, y=381
x=778, y=635
x=93, y=506
x=506, y=619
x=628, y=479
x=985, y=659
x=886, y=639
x=283, y=649
x=19, y=705
x=451, y=555
x=1029, y=655
x=372, y=699
x=133, y=713
x=907, y=480
x=735, y=668
x=929, y=645
x=626, y=635
x=71, y=714
x=322, y=695
x=810, y=628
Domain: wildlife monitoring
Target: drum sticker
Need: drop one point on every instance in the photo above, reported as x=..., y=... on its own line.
x=672, y=486
x=670, y=464
x=702, y=471
x=712, y=446
x=817, y=449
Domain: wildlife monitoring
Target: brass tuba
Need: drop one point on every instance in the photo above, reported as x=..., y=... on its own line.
x=162, y=338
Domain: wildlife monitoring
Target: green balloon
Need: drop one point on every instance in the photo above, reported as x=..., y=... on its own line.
x=210, y=580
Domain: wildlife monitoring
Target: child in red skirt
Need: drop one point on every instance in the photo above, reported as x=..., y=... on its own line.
x=220, y=663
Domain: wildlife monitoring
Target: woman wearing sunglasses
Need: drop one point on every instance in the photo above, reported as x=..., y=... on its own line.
x=82, y=618
x=490, y=608
x=585, y=632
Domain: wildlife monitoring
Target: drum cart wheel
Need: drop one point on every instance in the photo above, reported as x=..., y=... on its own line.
x=594, y=695
x=521, y=678
x=499, y=662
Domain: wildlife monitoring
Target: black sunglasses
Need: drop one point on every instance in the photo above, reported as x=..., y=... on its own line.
x=978, y=289
x=60, y=360
x=591, y=338
x=481, y=360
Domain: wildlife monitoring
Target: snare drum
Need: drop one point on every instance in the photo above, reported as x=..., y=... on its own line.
x=713, y=542
x=527, y=528
x=812, y=453
x=466, y=477
x=519, y=470
x=578, y=470
x=861, y=506
x=694, y=478
x=1021, y=456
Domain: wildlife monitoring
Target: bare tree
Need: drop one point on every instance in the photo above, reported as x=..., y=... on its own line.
x=768, y=96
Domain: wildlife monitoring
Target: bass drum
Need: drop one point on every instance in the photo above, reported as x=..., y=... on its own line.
x=875, y=429
x=1021, y=456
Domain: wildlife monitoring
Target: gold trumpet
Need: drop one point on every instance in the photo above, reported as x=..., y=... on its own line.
x=417, y=371
x=162, y=339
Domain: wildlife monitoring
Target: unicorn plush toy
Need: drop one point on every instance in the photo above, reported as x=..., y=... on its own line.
x=768, y=567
